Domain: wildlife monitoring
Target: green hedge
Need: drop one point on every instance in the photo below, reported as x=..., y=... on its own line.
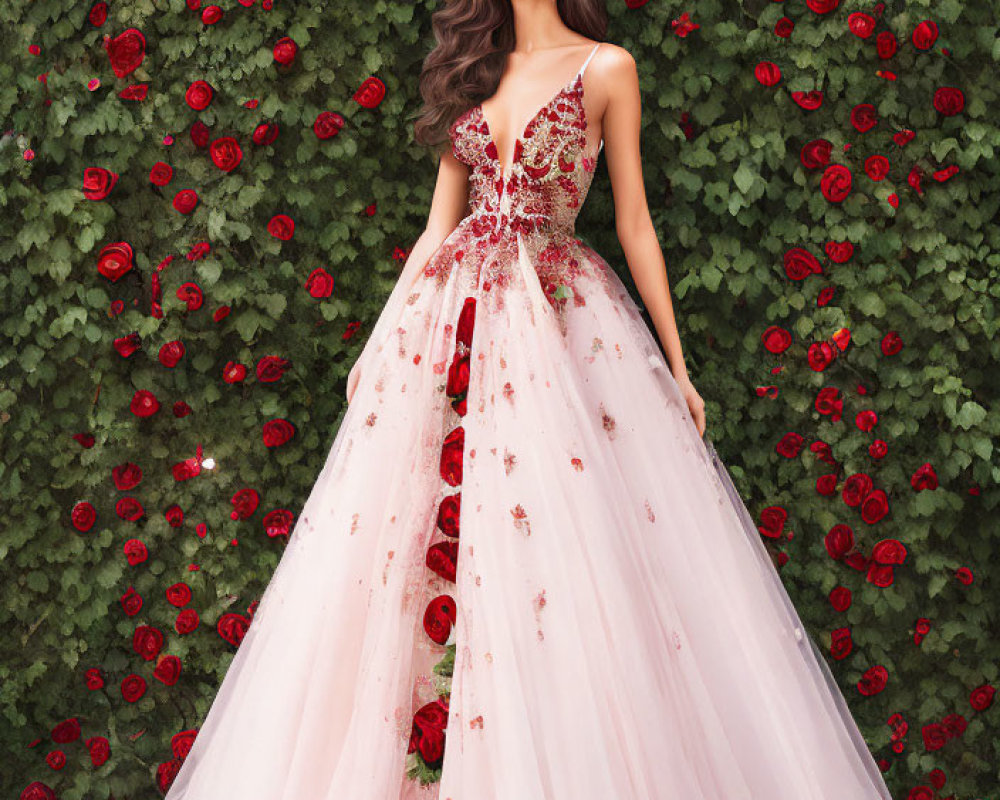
x=900, y=328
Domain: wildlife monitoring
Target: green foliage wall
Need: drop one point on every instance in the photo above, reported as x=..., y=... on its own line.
x=846, y=344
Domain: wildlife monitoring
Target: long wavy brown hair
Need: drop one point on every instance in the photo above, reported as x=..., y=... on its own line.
x=473, y=39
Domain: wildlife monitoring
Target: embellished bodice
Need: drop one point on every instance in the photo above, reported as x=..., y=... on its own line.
x=550, y=174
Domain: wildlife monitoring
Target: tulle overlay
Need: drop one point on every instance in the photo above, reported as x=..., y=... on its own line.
x=517, y=480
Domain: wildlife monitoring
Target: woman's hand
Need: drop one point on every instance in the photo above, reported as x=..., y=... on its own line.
x=694, y=402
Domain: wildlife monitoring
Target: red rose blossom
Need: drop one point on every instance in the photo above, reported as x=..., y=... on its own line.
x=198, y=96
x=185, y=201
x=126, y=51
x=281, y=226
x=285, y=50
x=114, y=260
x=836, y=183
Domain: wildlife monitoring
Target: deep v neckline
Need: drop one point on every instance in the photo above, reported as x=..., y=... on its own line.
x=570, y=85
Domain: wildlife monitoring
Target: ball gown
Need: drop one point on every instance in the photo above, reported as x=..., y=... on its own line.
x=521, y=568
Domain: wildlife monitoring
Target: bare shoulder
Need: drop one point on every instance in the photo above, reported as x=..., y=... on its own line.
x=613, y=63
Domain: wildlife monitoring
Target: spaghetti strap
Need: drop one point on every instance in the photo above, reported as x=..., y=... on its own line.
x=588, y=59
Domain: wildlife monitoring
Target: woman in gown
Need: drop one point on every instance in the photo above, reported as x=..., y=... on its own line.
x=522, y=573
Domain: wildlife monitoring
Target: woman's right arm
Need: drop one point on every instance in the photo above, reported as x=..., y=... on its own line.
x=449, y=206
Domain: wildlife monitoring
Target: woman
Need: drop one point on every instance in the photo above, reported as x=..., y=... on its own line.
x=522, y=574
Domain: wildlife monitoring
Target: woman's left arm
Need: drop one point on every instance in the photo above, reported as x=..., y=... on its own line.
x=621, y=129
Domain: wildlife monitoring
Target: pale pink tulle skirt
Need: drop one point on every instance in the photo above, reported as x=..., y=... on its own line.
x=621, y=633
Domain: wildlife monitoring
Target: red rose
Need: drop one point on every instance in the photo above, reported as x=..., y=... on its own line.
x=877, y=167
x=97, y=182
x=281, y=226
x=866, y=420
x=427, y=735
x=451, y=456
x=839, y=541
x=878, y=449
x=826, y=485
x=171, y=353
x=886, y=45
x=934, y=736
x=271, y=368
x=923, y=626
x=147, y=642
x=439, y=616
x=126, y=476
x=36, y=790
x=178, y=594
x=131, y=602
x=772, y=521
x=232, y=628
x=137, y=92
x=114, y=260
x=841, y=643
x=83, y=516
x=161, y=173
x=190, y=294
x=99, y=748
x=98, y=14
x=828, y=401
x=924, y=478
x=891, y=343
x=767, y=73
x=776, y=340
x=94, y=679
x=66, y=731
x=285, y=50
x=808, y=101
x=790, y=445
x=840, y=598
x=856, y=488
x=199, y=134
x=815, y=154
x=466, y=321
x=839, y=252
x=925, y=34
x=820, y=355
x=861, y=25
x=180, y=743
x=126, y=51
x=167, y=670
x=265, y=133
x=873, y=680
x=920, y=793
x=874, y=506
x=370, y=93
x=982, y=697
x=836, y=183
x=135, y=552
x=185, y=201
x=277, y=432
x=822, y=6
x=458, y=376
x=949, y=100
x=226, y=153
x=864, y=117
x=319, y=283
x=449, y=512
x=800, y=264
x=133, y=687
x=233, y=372
x=56, y=759
x=199, y=94
x=954, y=725
x=442, y=558
x=327, y=124
x=186, y=621
x=144, y=403
x=245, y=502
x=784, y=27
x=211, y=15
x=889, y=551
x=278, y=522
